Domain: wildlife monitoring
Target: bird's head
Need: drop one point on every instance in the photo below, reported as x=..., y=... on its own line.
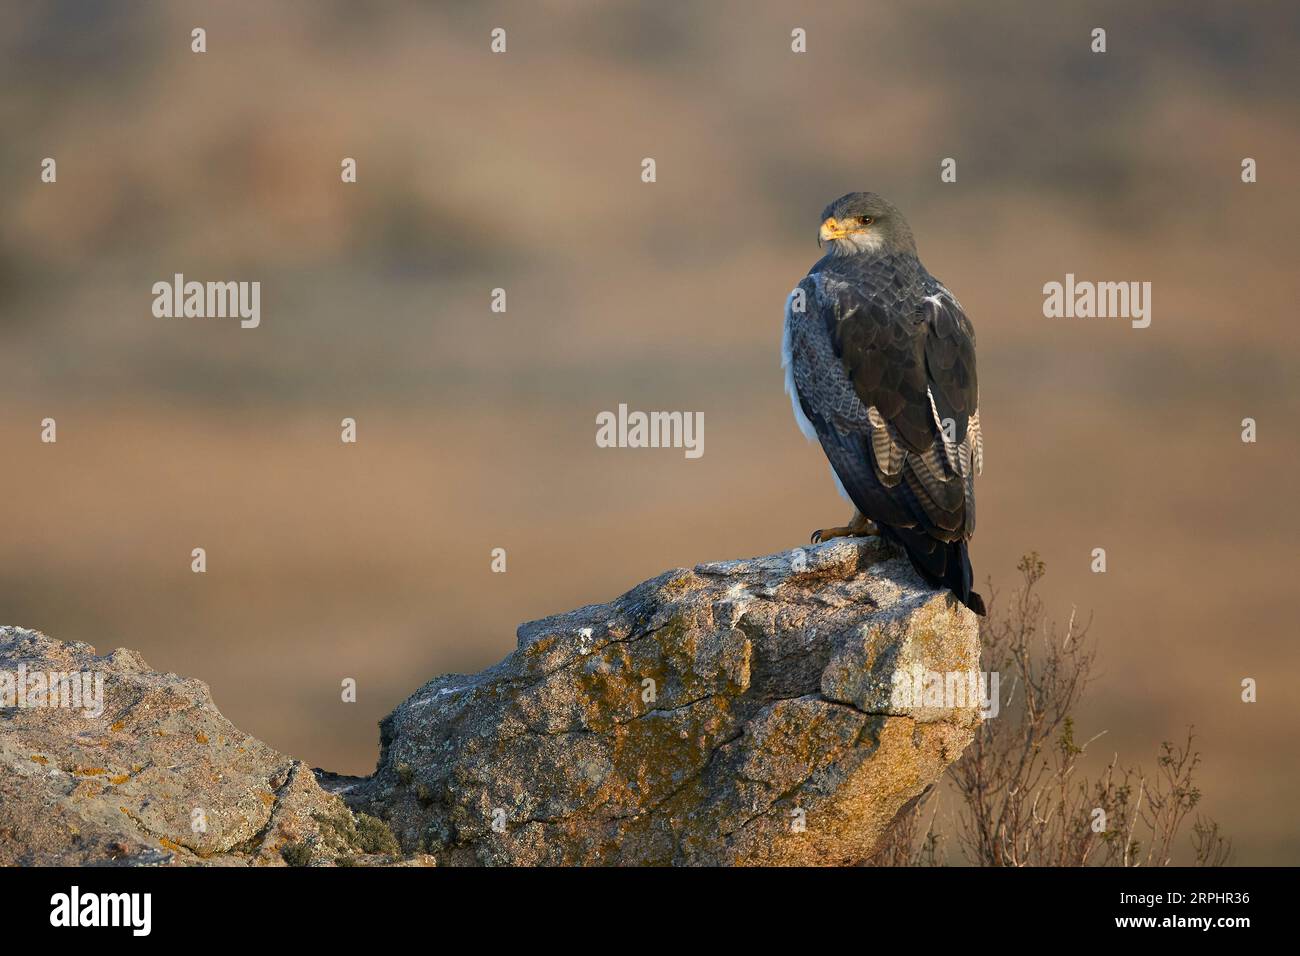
x=864, y=222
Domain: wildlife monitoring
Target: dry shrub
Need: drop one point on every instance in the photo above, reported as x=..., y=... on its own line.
x=1022, y=798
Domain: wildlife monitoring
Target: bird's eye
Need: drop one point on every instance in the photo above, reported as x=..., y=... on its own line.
x=865, y=220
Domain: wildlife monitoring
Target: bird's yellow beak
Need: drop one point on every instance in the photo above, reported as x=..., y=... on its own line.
x=831, y=229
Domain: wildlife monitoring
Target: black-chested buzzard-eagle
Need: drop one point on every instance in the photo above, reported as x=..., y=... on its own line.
x=880, y=364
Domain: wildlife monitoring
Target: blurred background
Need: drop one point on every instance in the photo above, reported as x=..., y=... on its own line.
x=476, y=430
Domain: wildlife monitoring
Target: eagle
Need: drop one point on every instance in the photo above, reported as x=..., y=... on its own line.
x=879, y=361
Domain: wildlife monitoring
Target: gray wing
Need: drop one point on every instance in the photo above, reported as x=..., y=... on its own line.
x=889, y=390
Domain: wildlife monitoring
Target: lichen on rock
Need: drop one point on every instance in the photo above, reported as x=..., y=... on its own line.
x=159, y=777
x=741, y=712
x=736, y=713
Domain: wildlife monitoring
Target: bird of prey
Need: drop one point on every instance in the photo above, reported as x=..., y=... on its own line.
x=879, y=362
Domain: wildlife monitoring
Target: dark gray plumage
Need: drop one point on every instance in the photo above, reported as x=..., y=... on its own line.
x=880, y=364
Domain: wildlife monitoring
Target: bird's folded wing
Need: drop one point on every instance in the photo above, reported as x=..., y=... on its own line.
x=911, y=417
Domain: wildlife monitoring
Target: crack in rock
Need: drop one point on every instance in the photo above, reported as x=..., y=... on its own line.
x=672, y=726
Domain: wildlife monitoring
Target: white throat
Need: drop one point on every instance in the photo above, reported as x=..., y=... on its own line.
x=857, y=243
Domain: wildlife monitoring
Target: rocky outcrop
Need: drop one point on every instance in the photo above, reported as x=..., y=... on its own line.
x=109, y=762
x=745, y=712
x=738, y=713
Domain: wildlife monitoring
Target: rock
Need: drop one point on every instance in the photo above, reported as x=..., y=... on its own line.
x=739, y=713
x=158, y=776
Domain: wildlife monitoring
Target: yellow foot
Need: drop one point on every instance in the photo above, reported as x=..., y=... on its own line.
x=859, y=527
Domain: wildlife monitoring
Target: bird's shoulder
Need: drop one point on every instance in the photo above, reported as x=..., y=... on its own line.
x=944, y=312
